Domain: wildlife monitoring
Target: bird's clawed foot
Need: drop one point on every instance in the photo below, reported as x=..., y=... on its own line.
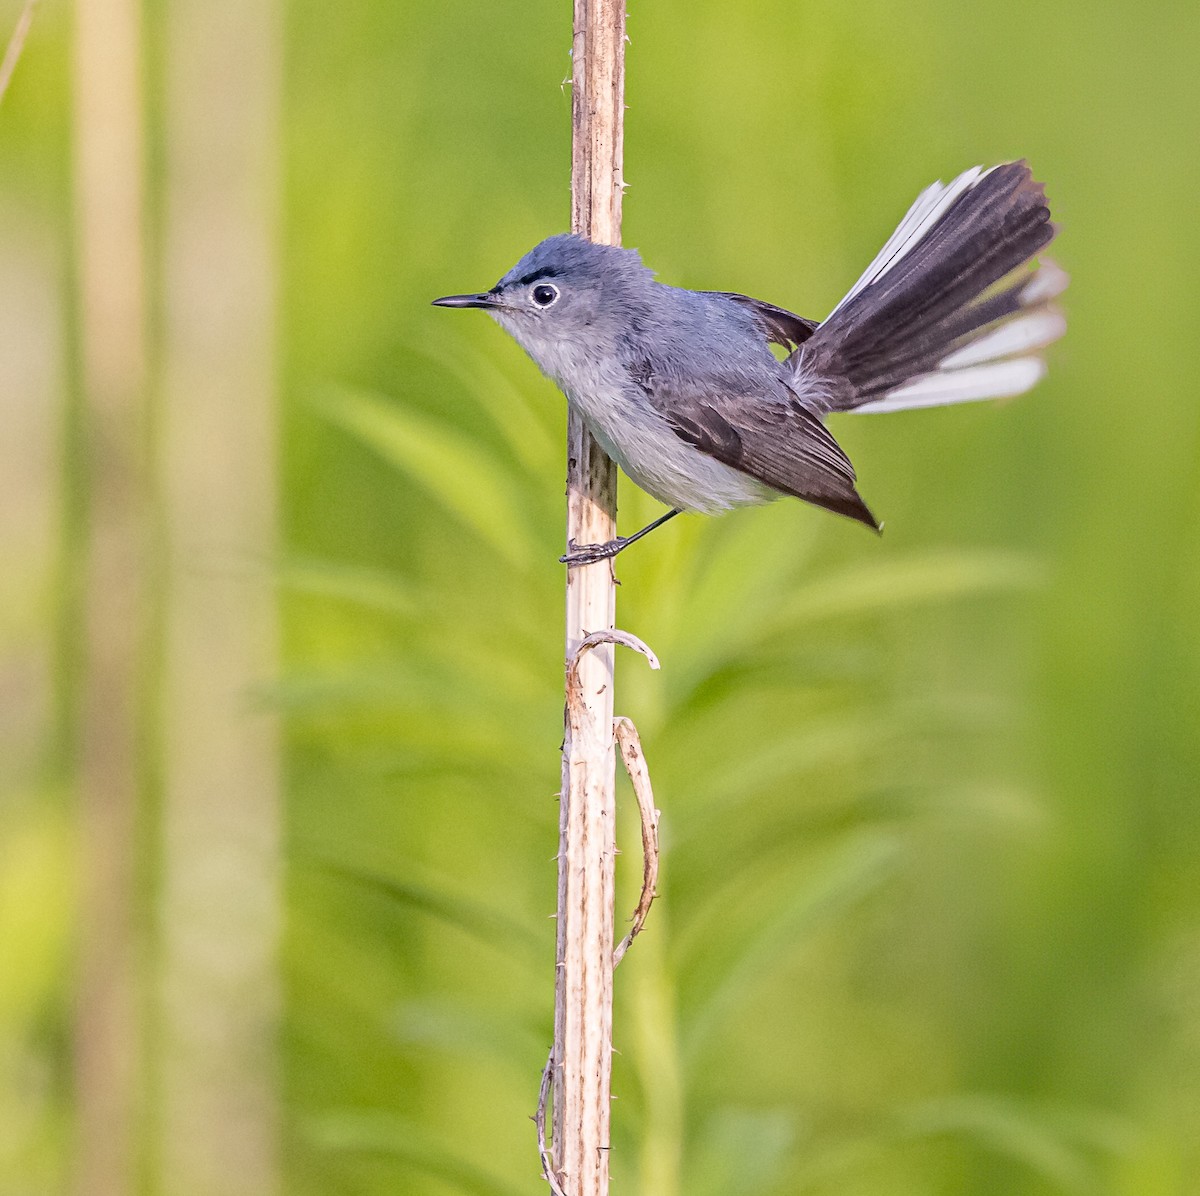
x=589, y=554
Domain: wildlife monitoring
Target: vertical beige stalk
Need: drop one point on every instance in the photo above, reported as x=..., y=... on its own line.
x=583, y=1004
x=217, y=1080
x=108, y=203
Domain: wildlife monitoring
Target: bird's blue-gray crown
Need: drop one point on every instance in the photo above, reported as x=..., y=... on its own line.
x=569, y=256
x=565, y=282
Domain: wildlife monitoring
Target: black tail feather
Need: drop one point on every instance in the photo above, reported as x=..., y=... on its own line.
x=941, y=290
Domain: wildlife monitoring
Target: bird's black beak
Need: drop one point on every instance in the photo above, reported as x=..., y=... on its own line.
x=484, y=299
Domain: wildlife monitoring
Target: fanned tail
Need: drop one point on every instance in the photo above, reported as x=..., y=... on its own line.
x=950, y=310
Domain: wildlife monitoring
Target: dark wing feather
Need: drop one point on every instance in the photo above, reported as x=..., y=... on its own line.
x=780, y=326
x=778, y=442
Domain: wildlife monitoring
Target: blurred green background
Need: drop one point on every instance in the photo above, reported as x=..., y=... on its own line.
x=281, y=623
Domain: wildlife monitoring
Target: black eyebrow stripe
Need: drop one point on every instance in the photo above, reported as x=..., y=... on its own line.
x=544, y=272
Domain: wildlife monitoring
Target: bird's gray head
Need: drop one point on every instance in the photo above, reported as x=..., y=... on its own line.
x=562, y=290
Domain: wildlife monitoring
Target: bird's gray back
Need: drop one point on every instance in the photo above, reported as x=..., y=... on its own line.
x=704, y=338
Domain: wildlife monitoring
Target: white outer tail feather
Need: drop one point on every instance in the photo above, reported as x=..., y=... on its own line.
x=1015, y=337
x=1002, y=361
x=1048, y=283
x=1002, y=380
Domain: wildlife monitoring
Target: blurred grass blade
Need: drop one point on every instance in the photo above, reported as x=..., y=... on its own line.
x=471, y=1032
x=774, y=614
x=523, y=428
x=887, y=585
x=822, y=743
x=1095, y=1129
x=368, y=1132
x=1059, y=1146
x=743, y=1151
x=36, y=908
x=469, y=483
x=1011, y=1128
x=374, y=589
x=729, y=586
x=477, y=920
x=856, y=868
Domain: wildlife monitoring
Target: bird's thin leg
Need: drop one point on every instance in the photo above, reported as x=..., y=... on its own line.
x=589, y=554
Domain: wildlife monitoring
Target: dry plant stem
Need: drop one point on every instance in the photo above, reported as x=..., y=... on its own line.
x=16, y=44
x=585, y=1120
x=539, y=1119
x=576, y=662
x=639, y=776
x=583, y=989
x=111, y=304
x=215, y=1084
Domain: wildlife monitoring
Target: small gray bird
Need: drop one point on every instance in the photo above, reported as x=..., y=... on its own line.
x=681, y=387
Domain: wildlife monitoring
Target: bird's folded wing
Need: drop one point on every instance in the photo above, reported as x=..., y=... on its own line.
x=772, y=439
x=779, y=326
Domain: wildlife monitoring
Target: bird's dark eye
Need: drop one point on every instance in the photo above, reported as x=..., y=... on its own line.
x=544, y=294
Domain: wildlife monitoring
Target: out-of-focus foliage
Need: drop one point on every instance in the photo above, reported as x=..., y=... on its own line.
x=929, y=916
